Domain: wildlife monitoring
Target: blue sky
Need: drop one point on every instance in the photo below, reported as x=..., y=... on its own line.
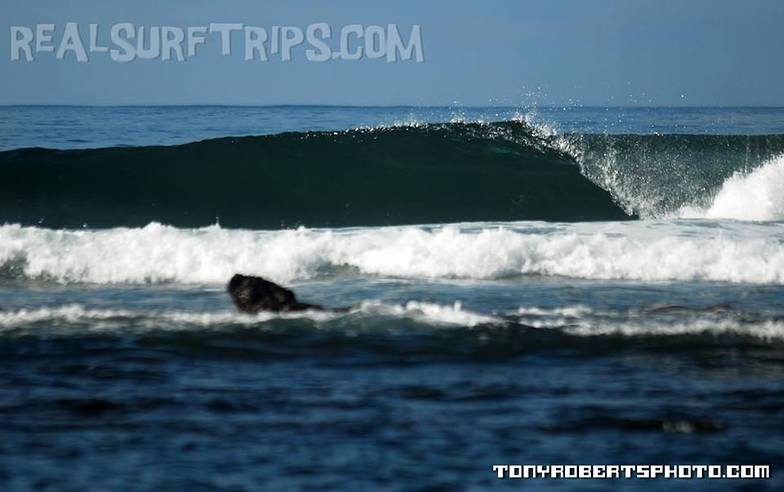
x=548, y=52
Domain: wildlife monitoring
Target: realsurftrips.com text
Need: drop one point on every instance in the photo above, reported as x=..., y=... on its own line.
x=125, y=42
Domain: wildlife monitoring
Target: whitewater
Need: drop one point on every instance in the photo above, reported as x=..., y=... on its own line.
x=685, y=250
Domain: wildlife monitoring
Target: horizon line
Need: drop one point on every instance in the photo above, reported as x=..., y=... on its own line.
x=390, y=106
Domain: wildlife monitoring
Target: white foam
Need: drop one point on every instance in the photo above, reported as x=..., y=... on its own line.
x=553, y=317
x=766, y=330
x=573, y=311
x=581, y=320
x=647, y=251
x=80, y=317
x=99, y=319
x=438, y=314
x=757, y=195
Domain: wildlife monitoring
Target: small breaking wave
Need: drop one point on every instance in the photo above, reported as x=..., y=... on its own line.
x=80, y=318
x=767, y=330
x=579, y=321
x=585, y=321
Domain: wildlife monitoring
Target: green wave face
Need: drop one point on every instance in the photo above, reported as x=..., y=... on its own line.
x=400, y=175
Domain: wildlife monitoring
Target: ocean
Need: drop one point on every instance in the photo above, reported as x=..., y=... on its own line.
x=526, y=286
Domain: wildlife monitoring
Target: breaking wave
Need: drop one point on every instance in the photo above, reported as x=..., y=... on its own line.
x=403, y=174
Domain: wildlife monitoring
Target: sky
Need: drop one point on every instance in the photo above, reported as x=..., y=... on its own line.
x=475, y=53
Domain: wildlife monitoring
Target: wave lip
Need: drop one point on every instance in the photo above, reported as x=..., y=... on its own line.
x=679, y=175
x=641, y=251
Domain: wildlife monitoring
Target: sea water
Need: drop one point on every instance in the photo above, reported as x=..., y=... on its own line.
x=642, y=323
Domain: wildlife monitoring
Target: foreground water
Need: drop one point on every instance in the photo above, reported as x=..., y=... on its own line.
x=167, y=387
x=125, y=367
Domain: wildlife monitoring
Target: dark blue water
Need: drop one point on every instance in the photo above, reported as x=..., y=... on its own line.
x=124, y=365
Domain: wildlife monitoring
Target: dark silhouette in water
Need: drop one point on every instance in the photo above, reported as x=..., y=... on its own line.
x=254, y=294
